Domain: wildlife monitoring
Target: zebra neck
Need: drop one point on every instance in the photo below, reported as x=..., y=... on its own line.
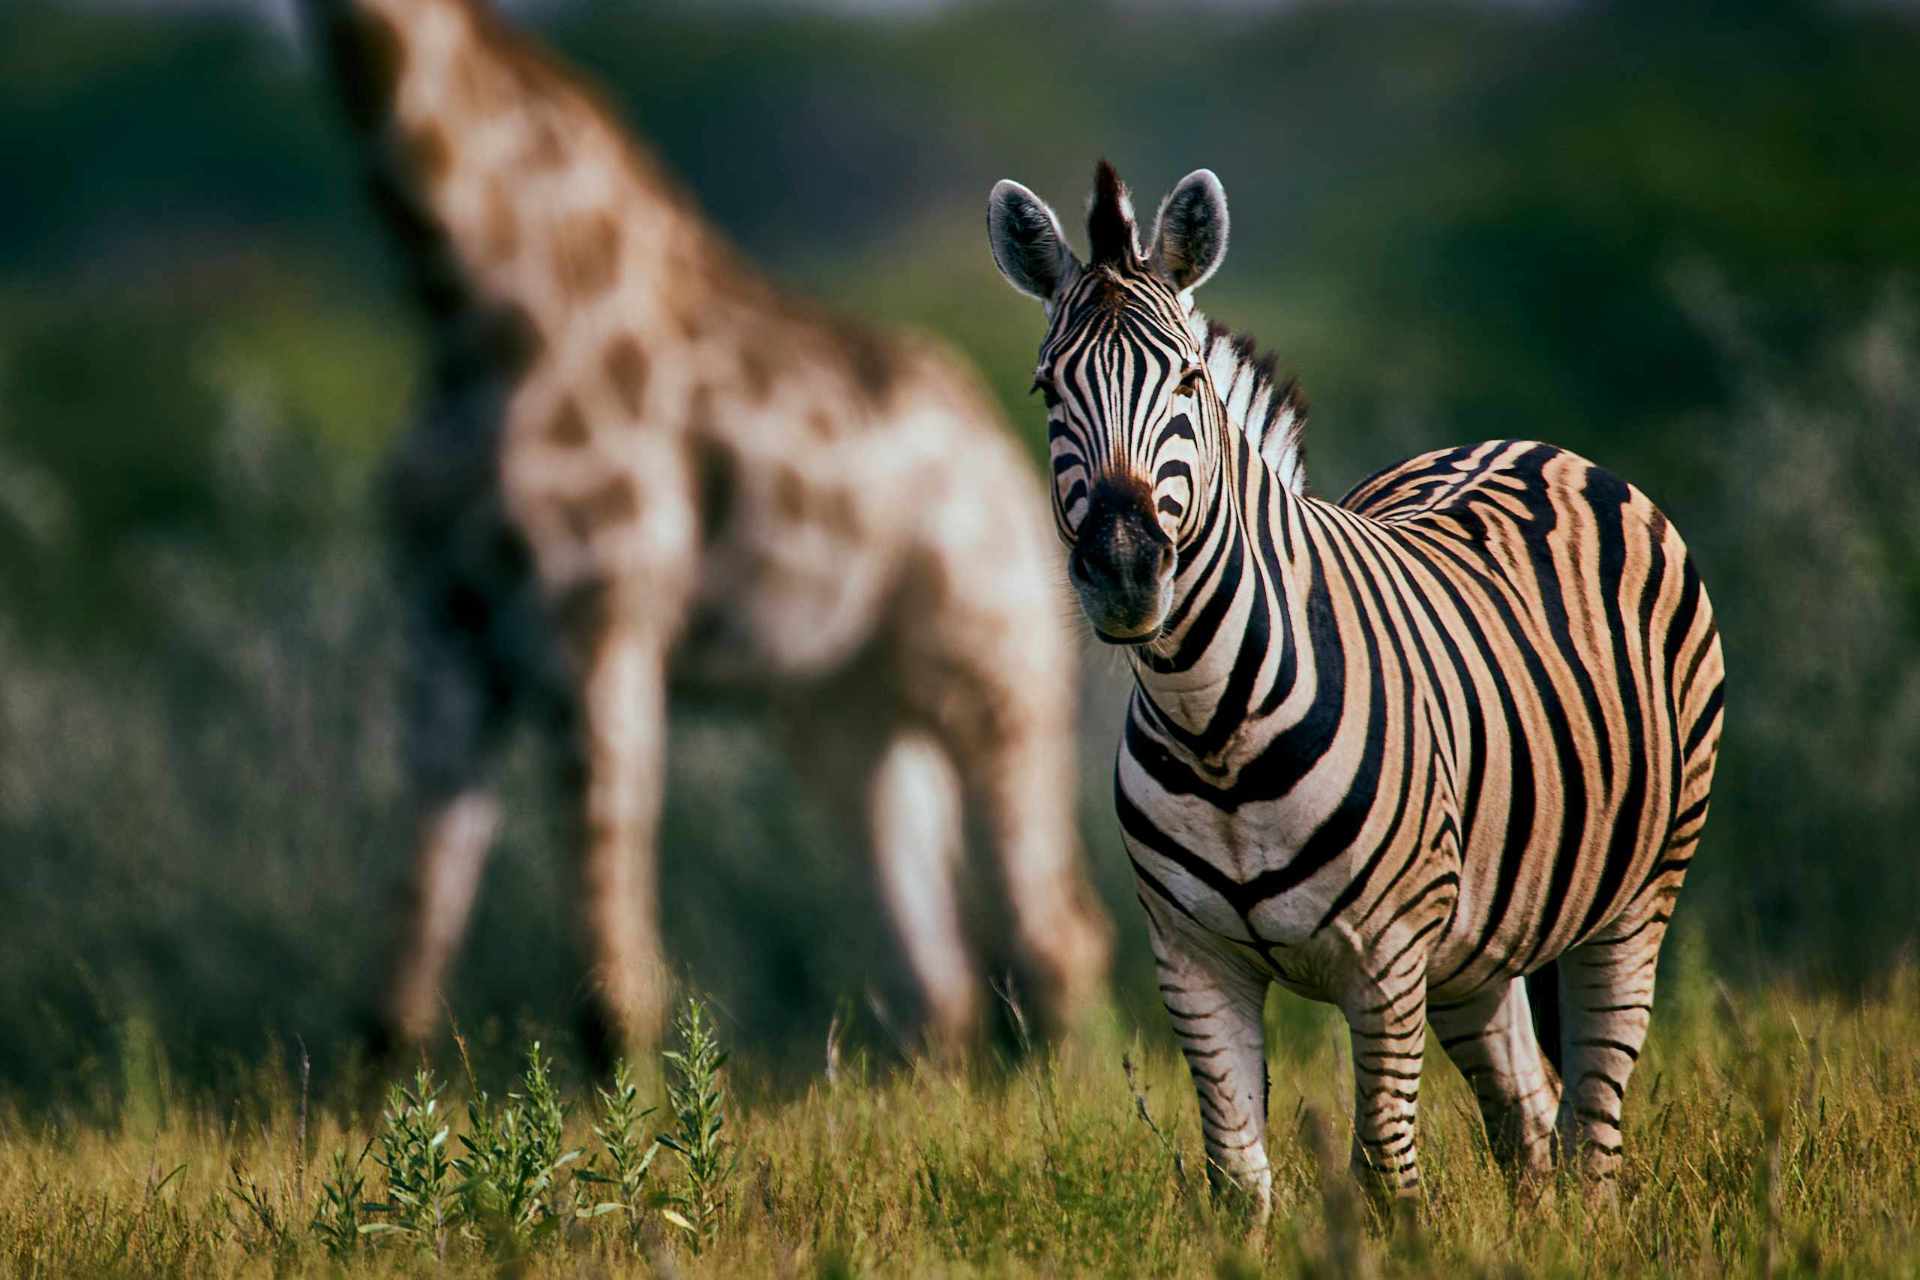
x=1229, y=650
x=1270, y=411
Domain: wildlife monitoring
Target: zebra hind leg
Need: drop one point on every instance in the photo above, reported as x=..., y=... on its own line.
x=1606, y=997
x=1491, y=1038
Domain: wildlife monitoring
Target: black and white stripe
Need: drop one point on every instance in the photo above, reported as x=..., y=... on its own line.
x=1397, y=752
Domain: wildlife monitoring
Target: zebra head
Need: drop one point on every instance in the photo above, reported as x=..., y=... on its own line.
x=1131, y=412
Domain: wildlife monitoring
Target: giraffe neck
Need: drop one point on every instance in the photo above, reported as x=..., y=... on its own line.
x=518, y=201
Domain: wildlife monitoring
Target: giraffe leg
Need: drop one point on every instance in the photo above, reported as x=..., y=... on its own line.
x=454, y=714
x=1389, y=1033
x=620, y=741
x=1216, y=1003
x=454, y=835
x=1490, y=1037
x=1026, y=778
x=914, y=815
x=1606, y=1001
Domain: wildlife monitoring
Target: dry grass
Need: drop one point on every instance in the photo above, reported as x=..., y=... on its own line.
x=1775, y=1134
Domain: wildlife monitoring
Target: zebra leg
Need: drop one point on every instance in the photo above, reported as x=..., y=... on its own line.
x=914, y=814
x=620, y=767
x=1490, y=1037
x=1389, y=1038
x=1216, y=1004
x=1606, y=1001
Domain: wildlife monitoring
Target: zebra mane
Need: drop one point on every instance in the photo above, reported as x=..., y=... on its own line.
x=1272, y=411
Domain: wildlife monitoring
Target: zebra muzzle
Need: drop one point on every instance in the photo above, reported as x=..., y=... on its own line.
x=1122, y=563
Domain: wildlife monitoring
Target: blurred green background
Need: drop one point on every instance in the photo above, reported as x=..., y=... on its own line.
x=1684, y=240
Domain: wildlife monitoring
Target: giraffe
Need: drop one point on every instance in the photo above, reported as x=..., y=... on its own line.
x=643, y=474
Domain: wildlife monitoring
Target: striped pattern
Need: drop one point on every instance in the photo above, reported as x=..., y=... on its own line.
x=1395, y=752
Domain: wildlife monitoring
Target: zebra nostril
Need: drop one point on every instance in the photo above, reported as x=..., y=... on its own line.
x=1077, y=566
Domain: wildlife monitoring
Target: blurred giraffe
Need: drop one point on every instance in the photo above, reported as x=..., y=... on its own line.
x=641, y=470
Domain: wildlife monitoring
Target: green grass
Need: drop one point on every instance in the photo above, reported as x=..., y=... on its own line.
x=1776, y=1134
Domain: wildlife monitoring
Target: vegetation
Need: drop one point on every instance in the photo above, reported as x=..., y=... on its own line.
x=1765, y=1137
x=1684, y=241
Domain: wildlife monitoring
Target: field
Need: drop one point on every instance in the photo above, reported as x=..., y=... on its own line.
x=1449, y=222
x=1766, y=1136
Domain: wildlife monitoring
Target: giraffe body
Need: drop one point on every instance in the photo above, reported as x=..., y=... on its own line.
x=643, y=473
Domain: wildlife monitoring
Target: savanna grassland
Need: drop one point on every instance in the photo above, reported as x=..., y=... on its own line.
x=1683, y=240
x=1766, y=1136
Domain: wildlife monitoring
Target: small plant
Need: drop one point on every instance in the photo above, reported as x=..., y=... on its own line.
x=269, y=1230
x=627, y=1162
x=698, y=1101
x=340, y=1215
x=413, y=1154
x=509, y=1190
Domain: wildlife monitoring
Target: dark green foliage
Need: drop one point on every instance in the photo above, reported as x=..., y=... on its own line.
x=420, y=1202
x=341, y=1210
x=511, y=1189
x=626, y=1155
x=697, y=1099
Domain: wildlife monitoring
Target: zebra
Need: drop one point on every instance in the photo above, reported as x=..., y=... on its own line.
x=1438, y=753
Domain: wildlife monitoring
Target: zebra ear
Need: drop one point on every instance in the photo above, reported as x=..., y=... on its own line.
x=1028, y=245
x=1190, y=232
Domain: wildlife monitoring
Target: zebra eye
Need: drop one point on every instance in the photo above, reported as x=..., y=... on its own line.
x=1189, y=382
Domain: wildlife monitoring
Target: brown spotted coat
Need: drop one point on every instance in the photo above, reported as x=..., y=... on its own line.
x=643, y=472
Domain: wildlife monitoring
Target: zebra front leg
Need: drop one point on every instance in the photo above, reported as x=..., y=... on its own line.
x=1606, y=1002
x=1389, y=1033
x=914, y=812
x=1216, y=1002
x=1490, y=1037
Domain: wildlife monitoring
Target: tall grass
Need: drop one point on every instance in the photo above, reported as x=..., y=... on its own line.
x=1774, y=1135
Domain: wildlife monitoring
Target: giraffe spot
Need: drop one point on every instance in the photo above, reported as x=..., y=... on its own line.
x=789, y=493
x=500, y=229
x=569, y=426
x=487, y=344
x=470, y=87
x=368, y=59
x=514, y=340
x=586, y=253
x=838, y=514
x=612, y=502
x=873, y=360
x=626, y=366
x=428, y=154
x=545, y=150
x=716, y=475
x=756, y=371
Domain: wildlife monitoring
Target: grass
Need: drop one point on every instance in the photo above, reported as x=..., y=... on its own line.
x=1772, y=1134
